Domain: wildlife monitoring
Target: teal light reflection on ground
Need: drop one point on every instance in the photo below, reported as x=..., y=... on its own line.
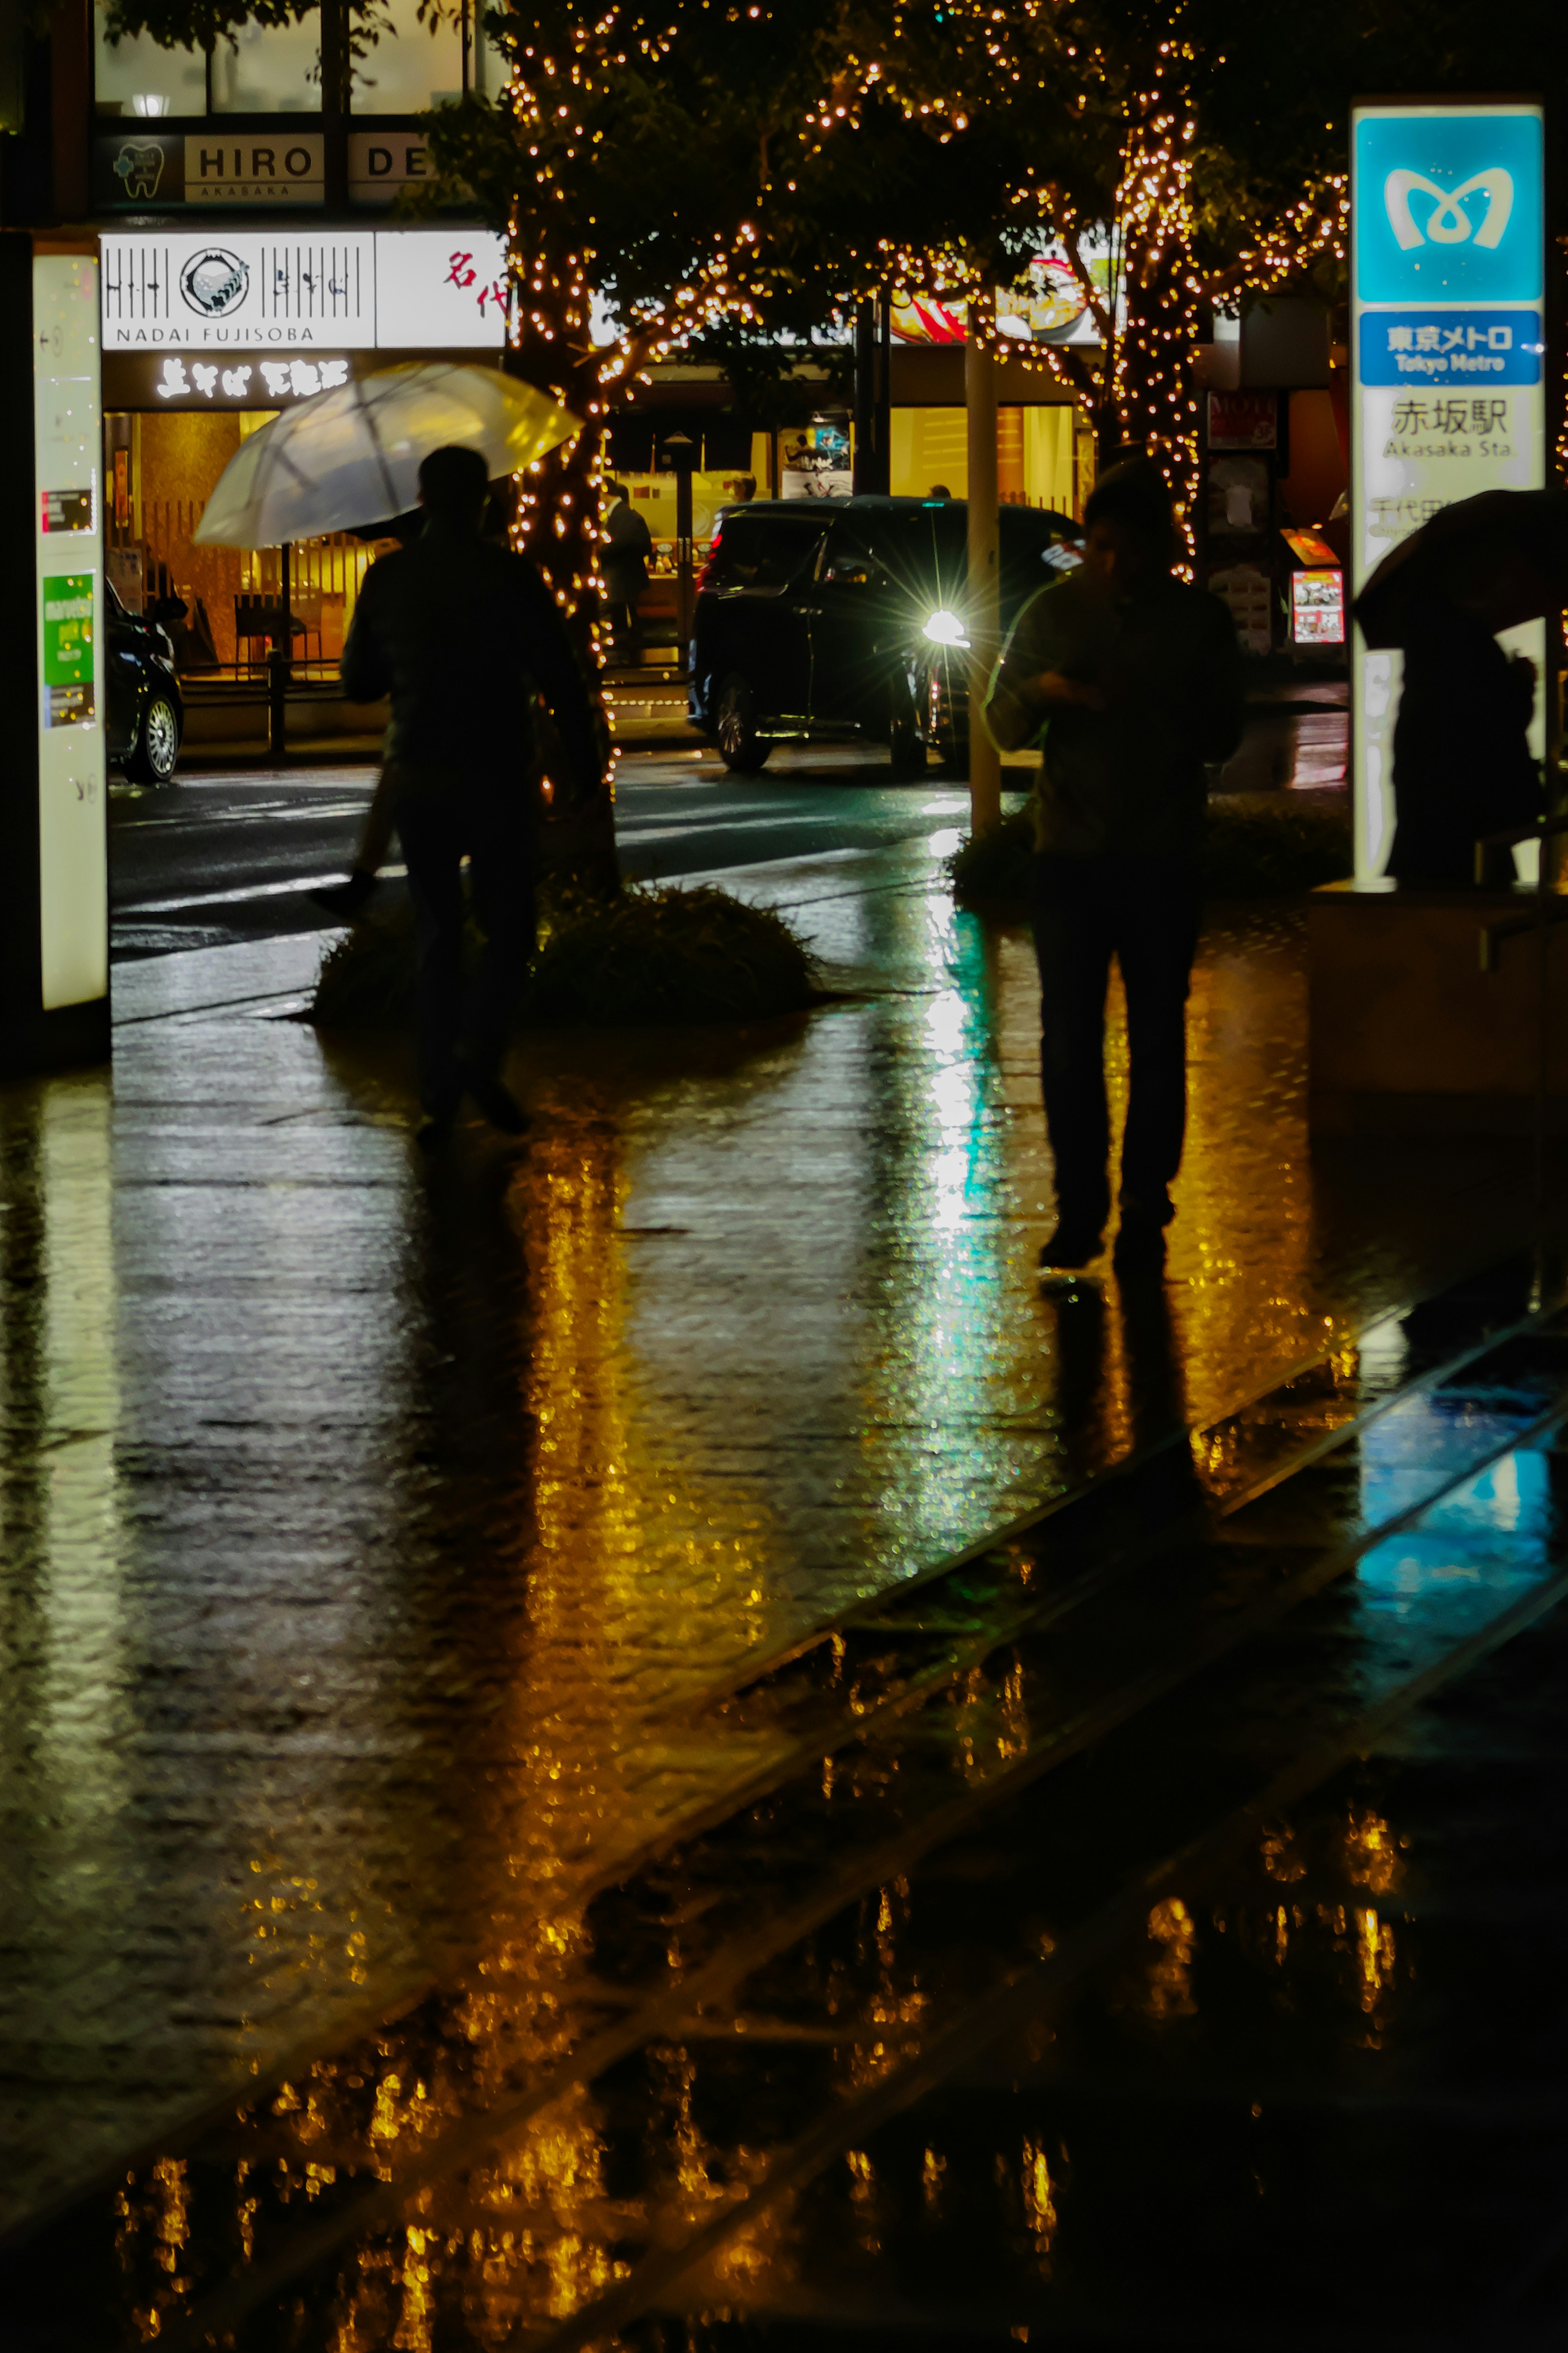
x=1491, y=1535
x=958, y=1345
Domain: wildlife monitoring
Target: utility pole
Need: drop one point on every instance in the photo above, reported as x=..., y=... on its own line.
x=873, y=466
x=680, y=452
x=984, y=600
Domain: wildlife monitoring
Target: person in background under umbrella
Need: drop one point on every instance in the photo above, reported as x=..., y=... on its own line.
x=1462, y=761
x=350, y=899
x=624, y=566
x=1136, y=678
x=460, y=632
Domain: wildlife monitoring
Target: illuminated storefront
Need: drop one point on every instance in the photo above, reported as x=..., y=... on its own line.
x=205, y=336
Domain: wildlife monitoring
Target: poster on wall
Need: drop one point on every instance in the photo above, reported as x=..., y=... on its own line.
x=1447, y=346
x=1046, y=304
x=816, y=462
x=1317, y=608
x=1243, y=420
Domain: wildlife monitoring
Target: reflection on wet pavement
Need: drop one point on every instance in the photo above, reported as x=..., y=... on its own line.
x=702, y=2072
x=380, y=1545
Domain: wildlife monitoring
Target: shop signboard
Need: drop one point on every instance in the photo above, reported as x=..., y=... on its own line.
x=1243, y=420
x=439, y=289
x=1446, y=359
x=299, y=296
x=382, y=163
x=54, y=897
x=140, y=171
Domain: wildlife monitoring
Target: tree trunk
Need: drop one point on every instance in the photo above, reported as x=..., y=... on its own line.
x=558, y=524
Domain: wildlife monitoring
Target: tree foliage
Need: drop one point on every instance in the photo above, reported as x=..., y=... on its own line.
x=723, y=176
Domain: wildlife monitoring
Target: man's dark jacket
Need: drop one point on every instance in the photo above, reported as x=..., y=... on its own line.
x=460, y=632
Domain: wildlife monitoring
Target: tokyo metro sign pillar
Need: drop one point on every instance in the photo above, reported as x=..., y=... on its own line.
x=1447, y=362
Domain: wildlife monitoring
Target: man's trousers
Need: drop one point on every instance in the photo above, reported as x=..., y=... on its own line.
x=1145, y=913
x=440, y=821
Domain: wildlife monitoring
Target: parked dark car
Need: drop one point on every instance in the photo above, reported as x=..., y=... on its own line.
x=145, y=711
x=823, y=619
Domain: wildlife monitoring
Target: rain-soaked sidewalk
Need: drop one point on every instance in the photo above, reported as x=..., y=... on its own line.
x=378, y=1538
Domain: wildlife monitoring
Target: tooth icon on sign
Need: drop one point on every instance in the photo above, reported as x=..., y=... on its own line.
x=139, y=163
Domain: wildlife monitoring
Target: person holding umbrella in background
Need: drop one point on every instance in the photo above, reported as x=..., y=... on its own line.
x=1462, y=762
x=461, y=632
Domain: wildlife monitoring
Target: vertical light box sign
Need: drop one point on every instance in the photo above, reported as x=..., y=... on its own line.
x=68, y=427
x=1447, y=364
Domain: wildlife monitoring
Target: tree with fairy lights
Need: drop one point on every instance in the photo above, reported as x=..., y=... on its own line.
x=629, y=164
x=961, y=140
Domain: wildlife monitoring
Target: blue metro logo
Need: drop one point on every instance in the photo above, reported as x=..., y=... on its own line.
x=1449, y=206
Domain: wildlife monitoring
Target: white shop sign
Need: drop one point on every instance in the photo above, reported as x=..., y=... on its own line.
x=1447, y=360
x=412, y=289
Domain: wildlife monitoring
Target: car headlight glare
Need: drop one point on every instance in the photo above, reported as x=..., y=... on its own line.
x=945, y=628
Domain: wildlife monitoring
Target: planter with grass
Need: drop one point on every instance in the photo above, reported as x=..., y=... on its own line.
x=649, y=957
x=1249, y=852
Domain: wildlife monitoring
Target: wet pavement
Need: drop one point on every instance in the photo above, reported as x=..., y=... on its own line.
x=484, y=1663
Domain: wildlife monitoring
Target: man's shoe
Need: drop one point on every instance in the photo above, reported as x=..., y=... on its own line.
x=499, y=1104
x=348, y=899
x=1139, y=1244
x=1070, y=1246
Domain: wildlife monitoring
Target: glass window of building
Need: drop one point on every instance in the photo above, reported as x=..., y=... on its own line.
x=269, y=69
x=412, y=66
x=136, y=77
x=490, y=69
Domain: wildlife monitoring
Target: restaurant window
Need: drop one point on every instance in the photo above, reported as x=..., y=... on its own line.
x=269, y=69
x=135, y=76
x=264, y=69
x=412, y=66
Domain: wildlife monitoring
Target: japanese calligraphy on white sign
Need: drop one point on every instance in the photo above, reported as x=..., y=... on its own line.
x=288, y=295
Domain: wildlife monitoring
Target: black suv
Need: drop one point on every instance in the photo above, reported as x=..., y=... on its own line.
x=823, y=619
x=146, y=713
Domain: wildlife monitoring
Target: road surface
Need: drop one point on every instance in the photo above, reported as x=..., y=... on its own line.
x=232, y=854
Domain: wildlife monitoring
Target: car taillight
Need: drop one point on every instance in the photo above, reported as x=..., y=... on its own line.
x=705, y=578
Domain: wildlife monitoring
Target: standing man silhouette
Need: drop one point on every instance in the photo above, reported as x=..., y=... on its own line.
x=1136, y=679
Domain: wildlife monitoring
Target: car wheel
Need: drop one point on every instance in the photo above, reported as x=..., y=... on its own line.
x=151, y=760
x=904, y=742
x=740, y=748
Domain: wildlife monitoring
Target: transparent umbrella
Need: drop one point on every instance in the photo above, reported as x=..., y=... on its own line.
x=352, y=456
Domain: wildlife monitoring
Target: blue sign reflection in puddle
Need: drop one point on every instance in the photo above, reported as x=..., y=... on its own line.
x=1490, y=1537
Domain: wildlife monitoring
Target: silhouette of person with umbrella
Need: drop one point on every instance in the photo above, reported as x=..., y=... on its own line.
x=460, y=632
x=1462, y=761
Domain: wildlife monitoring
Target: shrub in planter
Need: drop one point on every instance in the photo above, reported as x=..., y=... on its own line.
x=1259, y=849
x=655, y=954
x=1250, y=851
x=650, y=955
